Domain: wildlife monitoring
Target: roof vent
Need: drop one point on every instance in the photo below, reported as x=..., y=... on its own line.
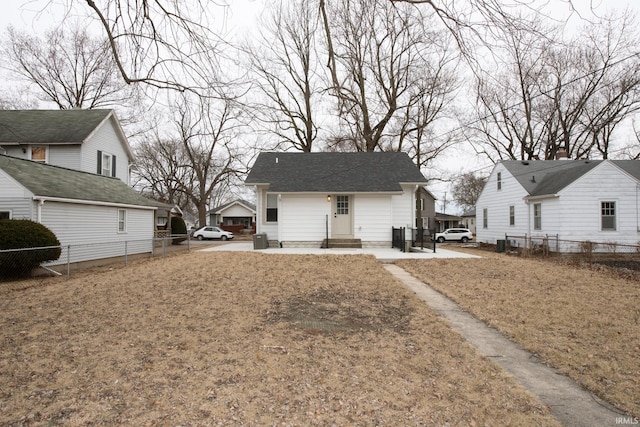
x=525, y=163
x=533, y=178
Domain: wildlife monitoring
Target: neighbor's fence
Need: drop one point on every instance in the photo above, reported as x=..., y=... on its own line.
x=75, y=257
x=607, y=253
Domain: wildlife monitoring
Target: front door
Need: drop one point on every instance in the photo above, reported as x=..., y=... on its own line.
x=341, y=226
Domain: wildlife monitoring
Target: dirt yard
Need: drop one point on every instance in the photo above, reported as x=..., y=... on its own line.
x=584, y=322
x=244, y=339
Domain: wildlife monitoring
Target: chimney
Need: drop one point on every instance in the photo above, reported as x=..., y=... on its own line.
x=562, y=154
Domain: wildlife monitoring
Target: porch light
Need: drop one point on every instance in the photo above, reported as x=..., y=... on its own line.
x=328, y=198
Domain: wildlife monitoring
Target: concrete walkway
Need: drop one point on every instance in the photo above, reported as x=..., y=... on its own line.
x=382, y=254
x=568, y=401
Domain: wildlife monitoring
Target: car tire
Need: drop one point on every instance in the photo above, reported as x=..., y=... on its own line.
x=200, y=237
x=224, y=238
x=464, y=239
x=440, y=239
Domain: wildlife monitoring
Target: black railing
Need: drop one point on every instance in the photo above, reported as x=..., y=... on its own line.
x=423, y=237
x=398, y=239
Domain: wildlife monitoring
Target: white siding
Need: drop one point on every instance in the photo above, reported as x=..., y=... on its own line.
x=303, y=218
x=271, y=229
x=19, y=208
x=93, y=230
x=373, y=219
x=579, y=217
x=105, y=139
x=497, y=203
x=236, y=211
x=11, y=189
x=67, y=156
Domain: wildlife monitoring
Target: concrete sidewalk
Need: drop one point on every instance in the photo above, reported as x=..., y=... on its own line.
x=382, y=254
x=571, y=404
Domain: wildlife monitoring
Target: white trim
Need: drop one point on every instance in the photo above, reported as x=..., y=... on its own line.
x=43, y=199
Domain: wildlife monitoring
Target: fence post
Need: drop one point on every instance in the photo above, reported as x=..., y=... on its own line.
x=68, y=261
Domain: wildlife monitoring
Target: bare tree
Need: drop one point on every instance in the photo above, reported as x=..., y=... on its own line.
x=288, y=74
x=69, y=67
x=381, y=61
x=466, y=189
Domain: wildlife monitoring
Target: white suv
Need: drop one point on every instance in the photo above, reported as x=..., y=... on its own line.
x=460, y=234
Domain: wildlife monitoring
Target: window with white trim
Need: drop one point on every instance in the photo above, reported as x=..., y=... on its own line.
x=122, y=221
x=485, y=219
x=512, y=215
x=608, y=216
x=5, y=214
x=272, y=208
x=499, y=180
x=537, y=216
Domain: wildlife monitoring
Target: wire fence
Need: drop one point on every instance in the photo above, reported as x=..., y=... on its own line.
x=16, y=263
x=605, y=253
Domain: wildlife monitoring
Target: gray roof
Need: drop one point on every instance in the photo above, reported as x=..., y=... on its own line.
x=53, y=181
x=49, y=126
x=334, y=172
x=544, y=177
x=246, y=204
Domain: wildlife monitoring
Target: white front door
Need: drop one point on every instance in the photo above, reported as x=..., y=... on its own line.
x=341, y=225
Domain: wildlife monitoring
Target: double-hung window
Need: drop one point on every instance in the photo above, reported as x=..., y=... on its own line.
x=122, y=221
x=512, y=215
x=485, y=220
x=499, y=181
x=608, y=216
x=272, y=208
x=537, y=216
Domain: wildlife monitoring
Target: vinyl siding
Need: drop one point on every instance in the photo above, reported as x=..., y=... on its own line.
x=19, y=208
x=271, y=229
x=497, y=203
x=236, y=211
x=93, y=230
x=303, y=218
x=105, y=139
x=373, y=219
x=10, y=189
x=67, y=156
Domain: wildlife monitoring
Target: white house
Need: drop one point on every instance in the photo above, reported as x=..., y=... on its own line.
x=235, y=213
x=578, y=200
x=95, y=213
x=304, y=198
x=86, y=140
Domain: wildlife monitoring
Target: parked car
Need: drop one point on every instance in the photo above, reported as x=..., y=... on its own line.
x=459, y=234
x=209, y=232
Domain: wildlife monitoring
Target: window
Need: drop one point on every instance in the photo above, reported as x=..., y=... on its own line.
x=272, y=208
x=39, y=154
x=420, y=204
x=122, y=221
x=499, y=180
x=537, y=216
x=608, y=215
x=512, y=215
x=5, y=214
x=106, y=164
x=485, y=221
x=342, y=205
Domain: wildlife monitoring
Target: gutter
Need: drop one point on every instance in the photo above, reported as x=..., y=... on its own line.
x=542, y=197
x=43, y=199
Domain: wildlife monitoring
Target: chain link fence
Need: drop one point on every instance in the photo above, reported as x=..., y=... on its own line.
x=610, y=253
x=79, y=256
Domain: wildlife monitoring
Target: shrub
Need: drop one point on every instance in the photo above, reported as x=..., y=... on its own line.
x=24, y=233
x=178, y=227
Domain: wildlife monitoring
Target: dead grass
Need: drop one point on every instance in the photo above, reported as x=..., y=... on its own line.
x=242, y=339
x=585, y=323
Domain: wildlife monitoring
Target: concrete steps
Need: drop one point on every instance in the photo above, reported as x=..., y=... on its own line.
x=342, y=243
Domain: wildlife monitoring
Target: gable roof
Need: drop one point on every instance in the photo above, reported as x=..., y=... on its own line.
x=334, y=172
x=60, y=183
x=53, y=127
x=248, y=205
x=545, y=177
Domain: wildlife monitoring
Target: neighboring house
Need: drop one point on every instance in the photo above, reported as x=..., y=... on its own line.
x=579, y=200
x=425, y=209
x=444, y=221
x=79, y=207
x=86, y=140
x=304, y=198
x=235, y=213
x=469, y=220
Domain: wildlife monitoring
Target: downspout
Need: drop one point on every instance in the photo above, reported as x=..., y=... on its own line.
x=39, y=210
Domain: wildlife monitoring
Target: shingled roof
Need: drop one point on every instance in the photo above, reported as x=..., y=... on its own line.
x=545, y=177
x=55, y=182
x=334, y=172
